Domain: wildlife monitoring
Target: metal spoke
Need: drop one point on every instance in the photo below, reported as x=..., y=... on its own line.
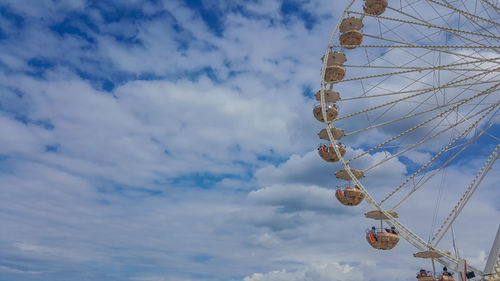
x=429, y=162
x=425, y=139
x=419, y=90
x=429, y=25
x=464, y=12
x=464, y=147
x=421, y=46
x=467, y=195
x=402, y=99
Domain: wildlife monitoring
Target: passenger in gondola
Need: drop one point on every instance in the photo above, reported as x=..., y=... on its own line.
x=422, y=273
x=373, y=231
x=446, y=272
x=393, y=230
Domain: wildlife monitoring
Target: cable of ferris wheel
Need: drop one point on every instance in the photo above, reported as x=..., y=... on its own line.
x=491, y=5
x=480, y=102
x=413, y=67
x=412, y=16
x=420, y=46
x=457, y=206
x=409, y=114
x=381, y=81
x=496, y=138
x=425, y=22
x=418, y=186
x=428, y=25
x=413, y=91
x=465, y=13
x=401, y=72
x=401, y=118
x=463, y=38
x=444, y=51
x=391, y=30
x=432, y=87
x=419, y=57
x=429, y=20
x=470, y=191
x=437, y=155
x=469, y=18
x=486, y=9
x=402, y=99
x=409, y=130
x=426, y=36
x=426, y=138
x=472, y=18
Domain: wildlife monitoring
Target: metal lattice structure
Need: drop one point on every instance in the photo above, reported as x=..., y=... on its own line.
x=492, y=267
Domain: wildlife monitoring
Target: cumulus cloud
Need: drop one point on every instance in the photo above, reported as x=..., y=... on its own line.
x=292, y=198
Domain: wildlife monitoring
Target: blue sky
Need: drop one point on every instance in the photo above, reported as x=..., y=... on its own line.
x=174, y=140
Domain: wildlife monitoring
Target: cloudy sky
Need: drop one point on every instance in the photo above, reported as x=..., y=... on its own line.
x=174, y=140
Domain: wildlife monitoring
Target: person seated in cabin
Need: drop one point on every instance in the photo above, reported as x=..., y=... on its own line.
x=331, y=106
x=446, y=272
x=373, y=231
x=422, y=273
x=356, y=186
x=393, y=230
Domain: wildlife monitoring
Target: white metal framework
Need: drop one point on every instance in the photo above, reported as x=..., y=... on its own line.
x=424, y=81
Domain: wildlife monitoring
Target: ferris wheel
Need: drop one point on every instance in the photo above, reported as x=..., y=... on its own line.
x=414, y=81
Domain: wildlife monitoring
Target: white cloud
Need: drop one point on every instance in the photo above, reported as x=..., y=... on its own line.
x=265, y=240
x=294, y=198
x=324, y=272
